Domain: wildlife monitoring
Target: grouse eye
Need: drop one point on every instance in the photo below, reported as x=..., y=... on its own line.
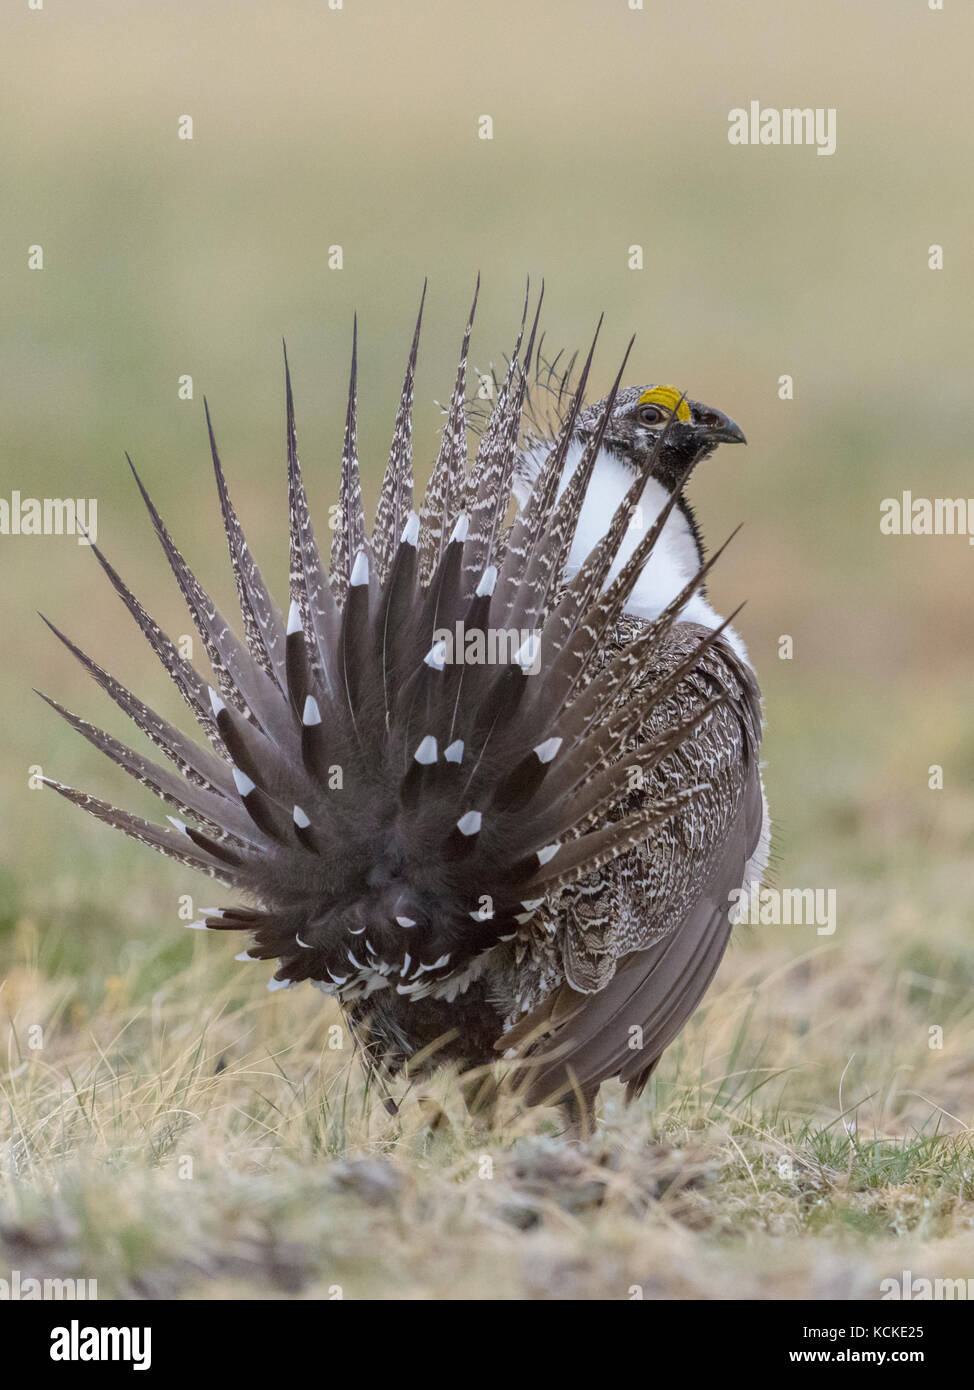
x=650, y=414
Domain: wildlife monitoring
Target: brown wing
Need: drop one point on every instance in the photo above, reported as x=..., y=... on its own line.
x=643, y=943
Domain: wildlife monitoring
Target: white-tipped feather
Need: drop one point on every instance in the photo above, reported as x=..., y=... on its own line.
x=426, y=753
x=527, y=653
x=546, y=751
x=435, y=658
x=242, y=782
x=488, y=581
x=360, y=571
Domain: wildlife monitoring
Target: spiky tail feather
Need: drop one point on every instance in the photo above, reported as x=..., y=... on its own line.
x=396, y=814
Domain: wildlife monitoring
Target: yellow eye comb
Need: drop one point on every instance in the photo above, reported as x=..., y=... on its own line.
x=667, y=397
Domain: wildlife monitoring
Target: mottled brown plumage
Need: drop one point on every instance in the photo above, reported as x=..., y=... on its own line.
x=639, y=940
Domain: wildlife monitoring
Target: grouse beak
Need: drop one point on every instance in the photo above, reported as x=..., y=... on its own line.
x=715, y=427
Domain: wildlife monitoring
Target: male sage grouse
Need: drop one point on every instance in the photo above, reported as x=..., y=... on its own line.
x=491, y=784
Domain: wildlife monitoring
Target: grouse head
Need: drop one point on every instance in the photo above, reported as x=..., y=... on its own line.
x=643, y=413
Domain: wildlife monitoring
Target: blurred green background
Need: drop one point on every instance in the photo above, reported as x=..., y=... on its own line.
x=360, y=127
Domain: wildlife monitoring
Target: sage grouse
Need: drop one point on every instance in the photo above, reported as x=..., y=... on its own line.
x=491, y=785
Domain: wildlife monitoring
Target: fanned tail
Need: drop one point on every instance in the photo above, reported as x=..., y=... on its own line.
x=395, y=806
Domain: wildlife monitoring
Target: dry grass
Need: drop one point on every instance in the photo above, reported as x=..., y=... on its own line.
x=180, y=1132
